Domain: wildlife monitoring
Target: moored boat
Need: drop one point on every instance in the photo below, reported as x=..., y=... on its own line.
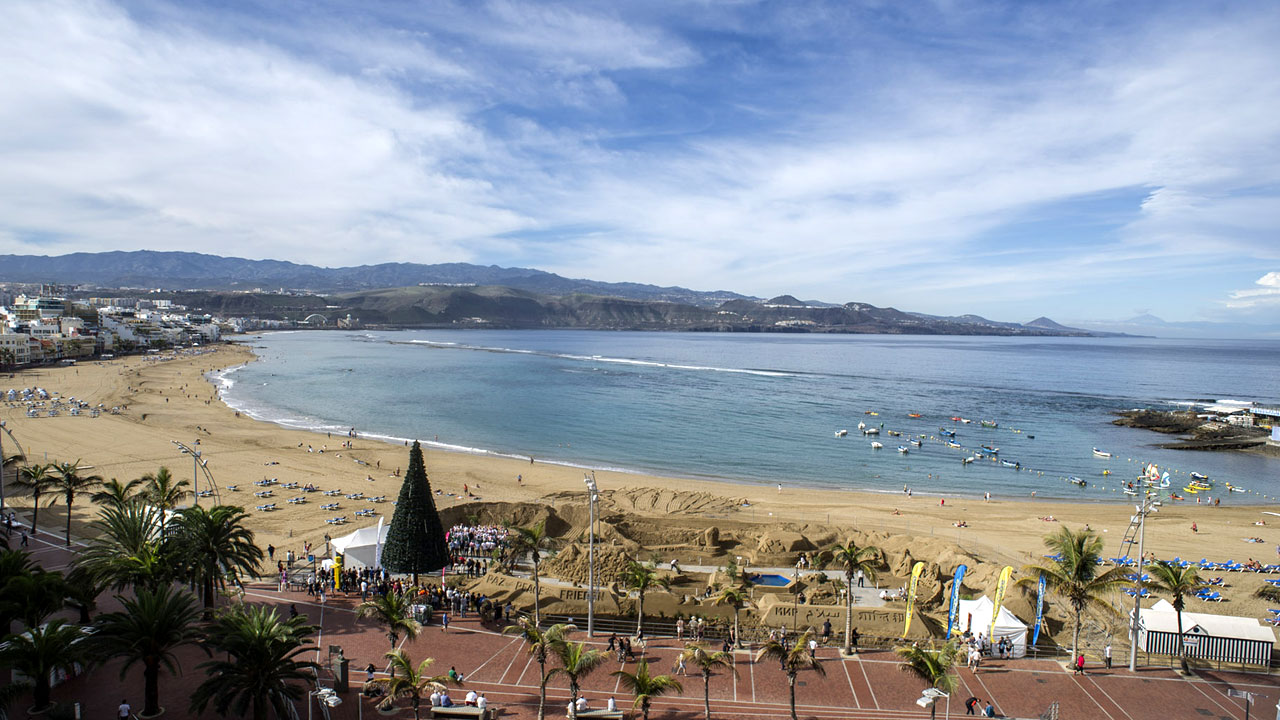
x=1101, y=454
x=916, y=415
x=1077, y=481
x=871, y=431
x=841, y=433
x=946, y=433
x=903, y=449
x=876, y=446
x=1010, y=463
x=990, y=424
x=1199, y=476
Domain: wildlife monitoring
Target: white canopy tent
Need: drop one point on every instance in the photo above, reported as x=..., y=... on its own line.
x=362, y=547
x=975, y=616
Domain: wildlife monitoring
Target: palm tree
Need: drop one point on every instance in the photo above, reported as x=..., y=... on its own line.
x=640, y=577
x=127, y=549
x=216, y=544
x=793, y=658
x=531, y=540
x=14, y=564
x=40, y=651
x=409, y=681
x=261, y=670
x=1178, y=582
x=36, y=480
x=933, y=665
x=33, y=596
x=576, y=663
x=162, y=490
x=645, y=687
x=116, y=493
x=540, y=643
x=706, y=662
x=149, y=630
x=736, y=598
x=70, y=483
x=82, y=590
x=1074, y=574
x=395, y=611
x=853, y=558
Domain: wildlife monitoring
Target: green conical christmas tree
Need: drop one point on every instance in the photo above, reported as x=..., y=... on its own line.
x=415, y=542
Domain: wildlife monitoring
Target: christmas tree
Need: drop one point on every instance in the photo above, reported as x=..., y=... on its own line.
x=415, y=542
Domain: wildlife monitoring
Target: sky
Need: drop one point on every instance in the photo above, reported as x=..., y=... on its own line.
x=1081, y=160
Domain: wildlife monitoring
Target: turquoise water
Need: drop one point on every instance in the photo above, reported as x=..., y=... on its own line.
x=765, y=408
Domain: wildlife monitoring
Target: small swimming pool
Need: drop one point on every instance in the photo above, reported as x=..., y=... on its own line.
x=770, y=580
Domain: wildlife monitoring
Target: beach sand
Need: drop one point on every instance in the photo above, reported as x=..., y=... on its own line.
x=171, y=401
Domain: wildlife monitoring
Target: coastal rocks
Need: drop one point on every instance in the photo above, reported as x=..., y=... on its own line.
x=1170, y=423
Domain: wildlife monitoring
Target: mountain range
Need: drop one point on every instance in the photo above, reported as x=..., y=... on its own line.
x=461, y=294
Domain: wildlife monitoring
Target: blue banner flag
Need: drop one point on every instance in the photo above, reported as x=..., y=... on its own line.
x=1039, y=610
x=954, y=609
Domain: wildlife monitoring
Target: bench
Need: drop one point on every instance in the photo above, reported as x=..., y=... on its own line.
x=602, y=713
x=460, y=711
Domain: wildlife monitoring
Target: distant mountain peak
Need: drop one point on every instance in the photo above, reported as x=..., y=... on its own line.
x=1047, y=324
x=1146, y=319
x=785, y=300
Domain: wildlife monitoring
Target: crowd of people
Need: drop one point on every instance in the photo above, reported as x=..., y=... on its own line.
x=477, y=540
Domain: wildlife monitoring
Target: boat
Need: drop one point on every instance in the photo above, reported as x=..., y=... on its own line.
x=953, y=444
x=903, y=449
x=876, y=446
x=917, y=443
x=894, y=433
x=870, y=412
x=1130, y=491
x=1233, y=488
x=1009, y=463
x=946, y=433
x=871, y=431
x=1199, y=476
x=1101, y=454
x=967, y=460
x=1200, y=485
x=1077, y=481
x=841, y=433
x=1031, y=437
x=955, y=418
x=966, y=421
x=1175, y=496
x=862, y=425
x=992, y=450
x=913, y=415
x=990, y=424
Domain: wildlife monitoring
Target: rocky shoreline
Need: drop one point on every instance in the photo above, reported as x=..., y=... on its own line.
x=1197, y=433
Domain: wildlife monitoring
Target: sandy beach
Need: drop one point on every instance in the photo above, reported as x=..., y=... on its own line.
x=171, y=401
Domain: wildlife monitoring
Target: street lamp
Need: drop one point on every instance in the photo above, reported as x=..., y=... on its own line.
x=931, y=696
x=195, y=468
x=1142, y=510
x=590, y=480
x=2, y=432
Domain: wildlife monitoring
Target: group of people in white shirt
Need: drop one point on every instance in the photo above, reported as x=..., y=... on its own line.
x=440, y=698
x=582, y=706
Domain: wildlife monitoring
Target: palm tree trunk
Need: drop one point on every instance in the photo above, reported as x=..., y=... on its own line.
x=70, y=497
x=1075, y=638
x=737, y=635
x=848, y=617
x=1182, y=648
x=644, y=709
x=537, y=592
x=35, y=513
x=259, y=708
x=791, y=677
x=706, y=695
x=640, y=613
x=417, y=702
x=573, y=699
x=151, y=688
x=542, y=688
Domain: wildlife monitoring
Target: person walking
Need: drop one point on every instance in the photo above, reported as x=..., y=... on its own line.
x=1080, y=664
x=1106, y=655
x=125, y=710
x=970, y=704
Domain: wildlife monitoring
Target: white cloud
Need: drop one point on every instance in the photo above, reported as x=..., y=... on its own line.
x=1266, y=295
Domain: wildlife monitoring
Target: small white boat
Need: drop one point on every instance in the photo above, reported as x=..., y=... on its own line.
x=903, y=449
x=862, y=426
x=876, y=446
x=871, y=431
x=967, y=460
x=1199, y=476
x=1101, y=454
x=1077, y=481
x=917, y=443
x=1130, y=491
x=841, y=433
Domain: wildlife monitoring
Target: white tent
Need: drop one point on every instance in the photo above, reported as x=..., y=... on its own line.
x=975, y=616
x=361, y=548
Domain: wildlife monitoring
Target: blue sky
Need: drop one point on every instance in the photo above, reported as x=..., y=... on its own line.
x=1079, y=160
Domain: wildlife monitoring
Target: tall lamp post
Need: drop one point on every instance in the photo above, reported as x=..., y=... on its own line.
x=590, y=480
x=1142, y=510
x=195, y=469
x=2, y=432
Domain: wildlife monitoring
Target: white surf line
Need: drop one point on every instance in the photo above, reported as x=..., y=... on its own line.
x=849, y=677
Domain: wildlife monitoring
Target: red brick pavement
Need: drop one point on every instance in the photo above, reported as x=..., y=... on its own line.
x=867, y=687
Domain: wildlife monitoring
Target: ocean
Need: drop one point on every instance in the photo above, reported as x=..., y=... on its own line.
x=765, y=408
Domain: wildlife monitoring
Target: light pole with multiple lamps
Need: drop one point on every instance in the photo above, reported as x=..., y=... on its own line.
x=1146, y=507
x=592, y=496
x=195, y=468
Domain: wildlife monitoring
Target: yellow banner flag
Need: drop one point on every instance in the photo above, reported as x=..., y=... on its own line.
x=1001, y=585
x=337, y=571
x=911, y=595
